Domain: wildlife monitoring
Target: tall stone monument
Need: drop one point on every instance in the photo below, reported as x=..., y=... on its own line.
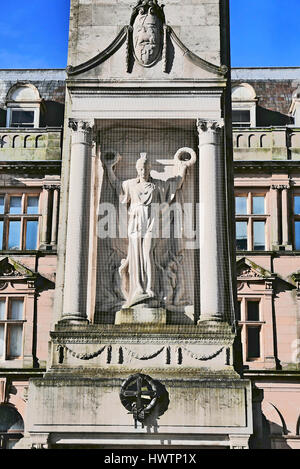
x=142, y=347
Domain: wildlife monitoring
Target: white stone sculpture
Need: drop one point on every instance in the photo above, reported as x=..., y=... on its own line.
x=137, y=271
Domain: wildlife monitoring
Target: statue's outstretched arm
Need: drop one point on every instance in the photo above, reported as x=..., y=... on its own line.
x=109, y=162
x=183, y=164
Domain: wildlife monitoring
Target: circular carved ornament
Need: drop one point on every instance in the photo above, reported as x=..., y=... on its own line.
x=139, y=395
x=180, y=156
x=3, y=285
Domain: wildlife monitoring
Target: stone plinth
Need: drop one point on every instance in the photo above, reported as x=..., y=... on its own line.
x=141, y=314
x=79, y=396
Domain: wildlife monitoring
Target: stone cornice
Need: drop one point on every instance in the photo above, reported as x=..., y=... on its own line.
x=263, y=165
x=48, y=167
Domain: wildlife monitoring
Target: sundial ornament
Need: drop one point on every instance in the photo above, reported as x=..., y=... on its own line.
x=147, y=23
x=139, y=395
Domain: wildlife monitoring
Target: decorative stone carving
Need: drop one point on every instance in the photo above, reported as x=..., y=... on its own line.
x=147, y=22
x=145, y=196
x=10, y=268
x=172, y=283
x=144, y=397
x=209, y=125
x=280, y=186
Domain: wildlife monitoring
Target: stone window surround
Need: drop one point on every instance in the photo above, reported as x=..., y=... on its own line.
x=250, y=217
x=280, y=189
x=244, y=324
x=248, y=103
x=7, y=323
x=32, y=103
x=26, y=290
x=23, y=217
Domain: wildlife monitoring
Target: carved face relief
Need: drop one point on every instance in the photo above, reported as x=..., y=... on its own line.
x=147, y=37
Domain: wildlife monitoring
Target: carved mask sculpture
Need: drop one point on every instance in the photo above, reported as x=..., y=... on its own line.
x=147, y=23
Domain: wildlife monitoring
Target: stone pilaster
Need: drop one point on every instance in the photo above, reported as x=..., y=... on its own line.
x=77, y=244
x=285, y=216
x=214, y=256
x=274, y=212
x=54, y=215
x=45, y=217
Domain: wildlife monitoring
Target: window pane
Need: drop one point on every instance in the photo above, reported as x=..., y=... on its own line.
x=14, y=234
x=1, y=234
x=259, y=235
x=22, y=117
x=241, y=117
x=1, y=340
x=2, y=309
x=258, y=205
x=241, y=235
x=15, y=205
x=296, y=204
x=31, y=234
x=253, y=342
x=253, y=310
x=297, y=235
x=32, y=205
x=16, y=309
x=15, y=334
x=1, y=203
x=241, y=205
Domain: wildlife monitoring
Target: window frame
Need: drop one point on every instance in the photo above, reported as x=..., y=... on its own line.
x=250, y=218
x=244, y=324
x=296, y=218
x=248, y=102
x=23, y=217
x=7, y=323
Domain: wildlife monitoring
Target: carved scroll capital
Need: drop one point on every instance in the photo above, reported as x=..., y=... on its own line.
x=210, y=126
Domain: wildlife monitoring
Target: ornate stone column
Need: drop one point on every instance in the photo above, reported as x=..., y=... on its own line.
x=214, y=255
x=77, y=243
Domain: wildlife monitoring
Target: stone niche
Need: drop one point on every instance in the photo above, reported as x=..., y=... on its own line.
x=174, y=254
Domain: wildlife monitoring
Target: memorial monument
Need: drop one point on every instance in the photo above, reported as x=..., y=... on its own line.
x=142, y=352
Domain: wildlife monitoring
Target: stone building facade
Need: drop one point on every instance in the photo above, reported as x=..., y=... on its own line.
x=35, y=112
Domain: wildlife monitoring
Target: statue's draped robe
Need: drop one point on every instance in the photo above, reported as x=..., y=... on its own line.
x=144, y=199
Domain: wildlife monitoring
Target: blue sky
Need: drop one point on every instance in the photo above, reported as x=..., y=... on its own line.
x=34, y=33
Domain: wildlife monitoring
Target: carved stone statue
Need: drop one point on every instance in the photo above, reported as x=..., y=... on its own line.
x=143, y=194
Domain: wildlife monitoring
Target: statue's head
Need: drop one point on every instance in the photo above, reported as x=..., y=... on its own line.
x=143, y=166
x=147, y=21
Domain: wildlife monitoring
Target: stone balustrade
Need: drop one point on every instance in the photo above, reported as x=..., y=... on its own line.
x=30, y=144
x=266, y=143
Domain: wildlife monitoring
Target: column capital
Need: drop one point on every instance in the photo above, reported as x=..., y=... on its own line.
x=80, y=125
x=280, y=186
x=209, y=125
x=50, y=187
x=83, y=130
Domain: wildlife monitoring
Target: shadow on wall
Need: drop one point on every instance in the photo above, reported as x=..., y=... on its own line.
x=266, y=117
x=2, y=118
x=52, y=114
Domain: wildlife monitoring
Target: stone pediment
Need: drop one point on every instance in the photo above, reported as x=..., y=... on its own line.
x=10, y=268
x=119, y=62
x=247, y=269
